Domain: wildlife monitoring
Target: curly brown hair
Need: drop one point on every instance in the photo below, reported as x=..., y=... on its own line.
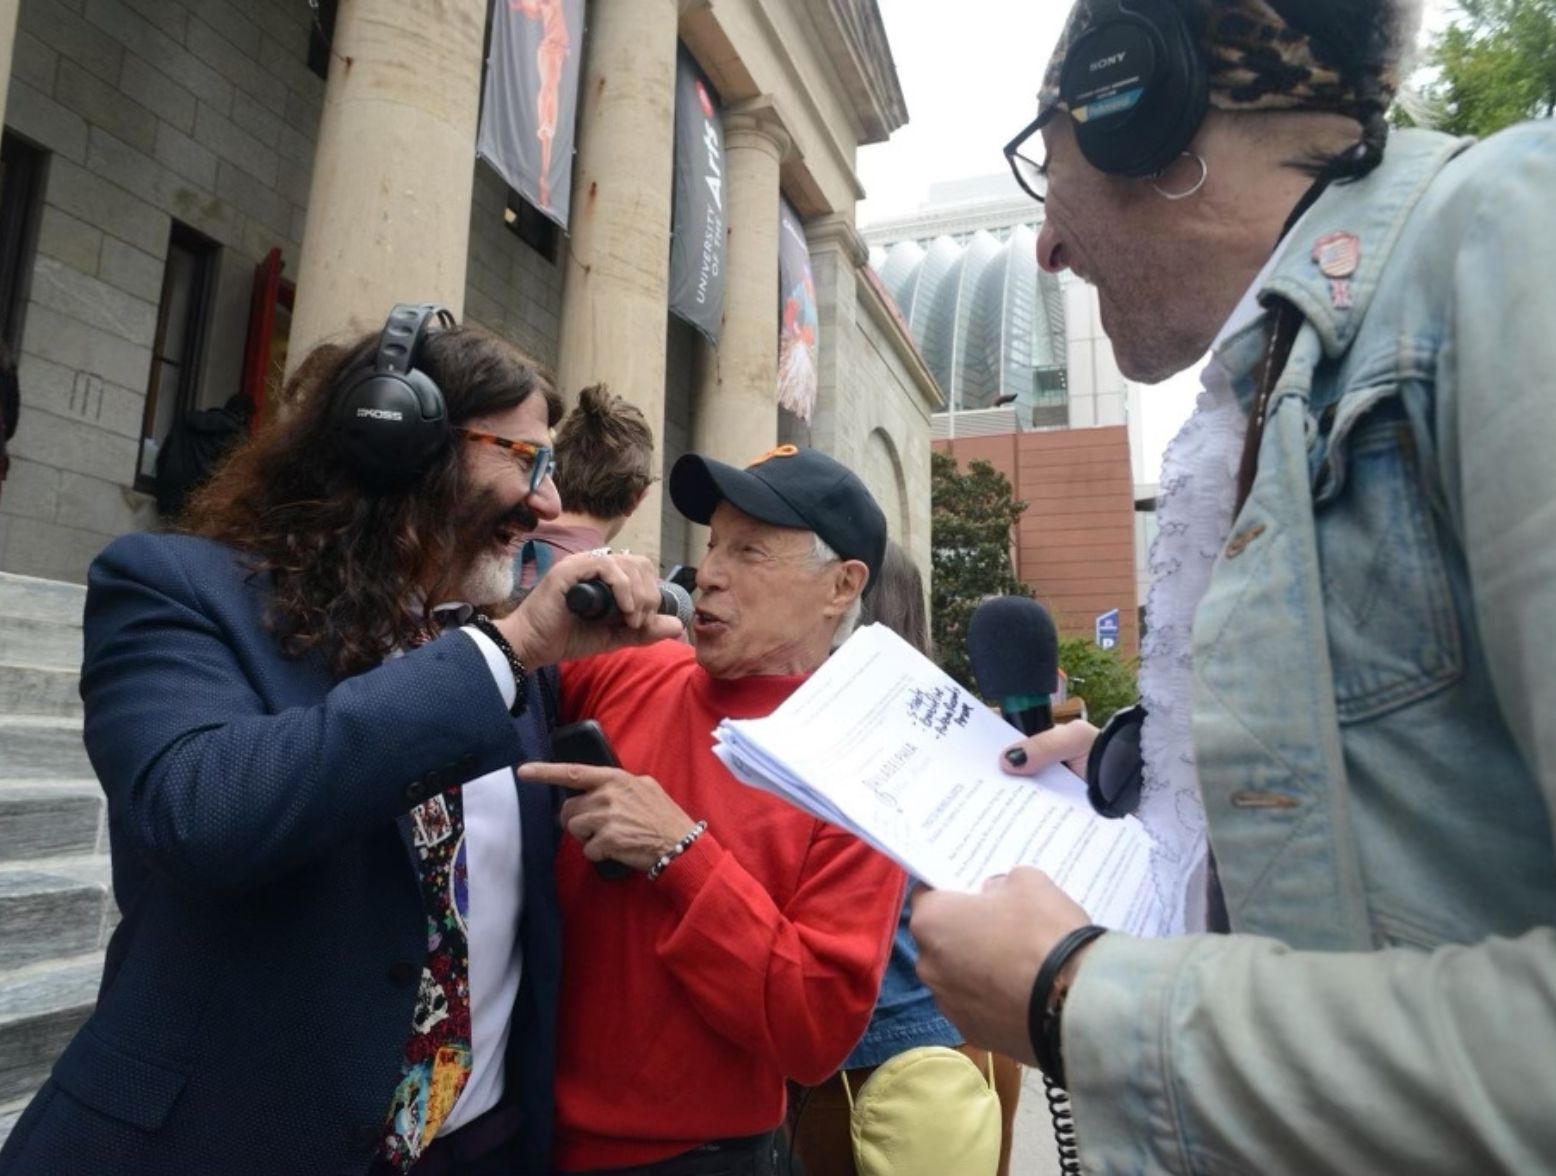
x=604, y=454
x=353, y=570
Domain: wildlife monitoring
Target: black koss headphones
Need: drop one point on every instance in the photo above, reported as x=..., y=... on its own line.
x=389, y=420
x=1135, y=85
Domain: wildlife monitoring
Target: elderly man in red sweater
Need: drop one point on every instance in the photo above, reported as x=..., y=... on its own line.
x=748, y=945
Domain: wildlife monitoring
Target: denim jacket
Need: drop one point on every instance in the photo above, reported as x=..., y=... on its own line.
x=1374, y=721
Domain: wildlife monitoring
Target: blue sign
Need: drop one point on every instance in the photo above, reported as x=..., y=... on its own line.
x=1107, y=629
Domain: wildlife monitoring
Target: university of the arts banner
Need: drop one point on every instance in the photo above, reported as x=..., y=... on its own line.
x=531, y=101
x=797, y=328
x=697, y=240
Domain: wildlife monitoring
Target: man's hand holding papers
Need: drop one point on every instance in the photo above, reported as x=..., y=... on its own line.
x=883, y=743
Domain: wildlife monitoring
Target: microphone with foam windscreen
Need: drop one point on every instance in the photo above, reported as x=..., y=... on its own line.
x=593, y=600
x=1014, y=651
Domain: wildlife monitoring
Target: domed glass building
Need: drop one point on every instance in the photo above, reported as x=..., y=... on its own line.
x=989, y=322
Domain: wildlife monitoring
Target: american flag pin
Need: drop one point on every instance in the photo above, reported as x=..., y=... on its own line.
x=1337, y=255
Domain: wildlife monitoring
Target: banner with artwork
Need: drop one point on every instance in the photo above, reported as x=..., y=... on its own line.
x=530, y=106
x=799, y=321
x=697, y=237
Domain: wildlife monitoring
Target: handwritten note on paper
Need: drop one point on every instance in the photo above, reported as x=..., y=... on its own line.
x=881, y=741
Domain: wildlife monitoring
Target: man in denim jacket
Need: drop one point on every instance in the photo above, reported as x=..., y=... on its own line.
x=1374, y=670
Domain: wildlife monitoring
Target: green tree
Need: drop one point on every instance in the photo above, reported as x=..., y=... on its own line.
x=1495, y=65
x=973, y=513
x=1103, y=677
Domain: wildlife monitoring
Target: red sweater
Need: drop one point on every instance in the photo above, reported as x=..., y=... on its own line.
x=755, y=957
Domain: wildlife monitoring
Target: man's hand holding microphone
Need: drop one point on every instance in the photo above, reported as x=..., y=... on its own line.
x=543, y=630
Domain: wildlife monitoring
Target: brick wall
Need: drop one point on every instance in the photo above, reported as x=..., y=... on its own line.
x=1075, y=545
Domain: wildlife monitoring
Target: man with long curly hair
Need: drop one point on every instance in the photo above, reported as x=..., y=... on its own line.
x=339, y=949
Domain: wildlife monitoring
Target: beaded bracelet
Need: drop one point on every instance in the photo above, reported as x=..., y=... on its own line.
x=488, y=627
x=677, y=850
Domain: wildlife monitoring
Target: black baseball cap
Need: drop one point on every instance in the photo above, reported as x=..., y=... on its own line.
x=789, y=487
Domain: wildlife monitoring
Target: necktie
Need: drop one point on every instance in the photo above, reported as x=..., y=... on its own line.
x=437, y=1055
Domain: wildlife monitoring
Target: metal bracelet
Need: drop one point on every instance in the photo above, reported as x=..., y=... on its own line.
x=677, y=850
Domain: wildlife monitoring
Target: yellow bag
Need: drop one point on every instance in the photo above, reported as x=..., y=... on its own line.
x=926, y=1112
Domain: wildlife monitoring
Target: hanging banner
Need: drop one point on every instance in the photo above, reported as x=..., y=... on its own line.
x=531, y=101
x=799, y=322
x=697, y=238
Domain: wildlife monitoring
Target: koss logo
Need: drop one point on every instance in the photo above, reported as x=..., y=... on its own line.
x=381, y=414
x=1115, y=59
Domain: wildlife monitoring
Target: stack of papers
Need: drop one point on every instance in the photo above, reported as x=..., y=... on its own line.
x=881, y=742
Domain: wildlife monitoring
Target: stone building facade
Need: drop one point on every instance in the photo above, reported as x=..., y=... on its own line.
x=173, y=167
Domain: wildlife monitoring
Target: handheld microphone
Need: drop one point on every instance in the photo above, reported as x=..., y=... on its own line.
x=1014, y=650
x=593, y=600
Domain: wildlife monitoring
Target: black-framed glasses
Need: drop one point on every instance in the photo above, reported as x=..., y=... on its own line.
x=538, y=460
x=1027, y=155
x=1116, y=766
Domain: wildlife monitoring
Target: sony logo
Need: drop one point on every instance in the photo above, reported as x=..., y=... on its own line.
x=1115, y=59
x=381, y=414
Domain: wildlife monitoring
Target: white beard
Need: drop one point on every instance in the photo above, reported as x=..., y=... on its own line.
x=491, y=579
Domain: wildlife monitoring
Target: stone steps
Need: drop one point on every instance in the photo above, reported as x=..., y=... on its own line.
x=40, y=690
x=56, y=905
x=30, y=598
x=44, y=644
x=40, y=747
x=9, y=1113
x=41, y=1007
x=50, y=818
x=53, y=907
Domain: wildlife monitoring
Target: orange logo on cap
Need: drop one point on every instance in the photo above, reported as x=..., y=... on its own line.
x=776, y=451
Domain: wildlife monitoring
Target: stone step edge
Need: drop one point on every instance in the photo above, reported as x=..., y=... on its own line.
x=77, y=869
x=26, y=992
x=15, y=722
x=48, y=787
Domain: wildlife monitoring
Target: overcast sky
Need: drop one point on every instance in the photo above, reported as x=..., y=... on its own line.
x=970, y=70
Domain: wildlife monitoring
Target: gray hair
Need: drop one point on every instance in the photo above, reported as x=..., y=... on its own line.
x=823, y=555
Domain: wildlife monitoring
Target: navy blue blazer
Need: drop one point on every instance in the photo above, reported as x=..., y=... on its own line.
x=258, y=993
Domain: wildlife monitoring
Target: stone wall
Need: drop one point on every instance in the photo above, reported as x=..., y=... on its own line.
x=510, y=289
x=150, y=111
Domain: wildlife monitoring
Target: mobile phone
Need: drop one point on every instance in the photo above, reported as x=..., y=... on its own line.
x=585, y=743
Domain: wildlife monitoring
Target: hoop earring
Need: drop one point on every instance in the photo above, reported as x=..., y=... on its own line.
x=1204, y=174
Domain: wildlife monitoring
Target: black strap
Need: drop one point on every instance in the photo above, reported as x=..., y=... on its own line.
x=1043, y=1021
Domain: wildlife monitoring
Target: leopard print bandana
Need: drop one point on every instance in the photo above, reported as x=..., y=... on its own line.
x=1257, y=61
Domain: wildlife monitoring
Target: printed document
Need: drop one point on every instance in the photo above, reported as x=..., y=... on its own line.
x=882, y=742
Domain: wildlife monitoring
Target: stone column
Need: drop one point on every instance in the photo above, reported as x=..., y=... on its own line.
x=389, y=205
x=735, y=417
x=615, y=293
x=8, y=10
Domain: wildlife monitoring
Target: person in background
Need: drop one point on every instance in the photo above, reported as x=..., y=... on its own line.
x=605, y=465
x=1350, y=678
x=905, y=1015
x=747, y=947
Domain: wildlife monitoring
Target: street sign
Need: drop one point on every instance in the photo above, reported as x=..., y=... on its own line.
x=1107, y=629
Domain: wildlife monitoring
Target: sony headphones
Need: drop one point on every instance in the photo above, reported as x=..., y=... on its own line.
x=1135, y=86
x=389, y=420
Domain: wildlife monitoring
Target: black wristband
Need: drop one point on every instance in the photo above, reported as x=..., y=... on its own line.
x=520, y=696
x=1043, y=1022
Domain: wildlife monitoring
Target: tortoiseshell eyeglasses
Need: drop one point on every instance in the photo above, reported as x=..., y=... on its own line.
x=537, y=460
